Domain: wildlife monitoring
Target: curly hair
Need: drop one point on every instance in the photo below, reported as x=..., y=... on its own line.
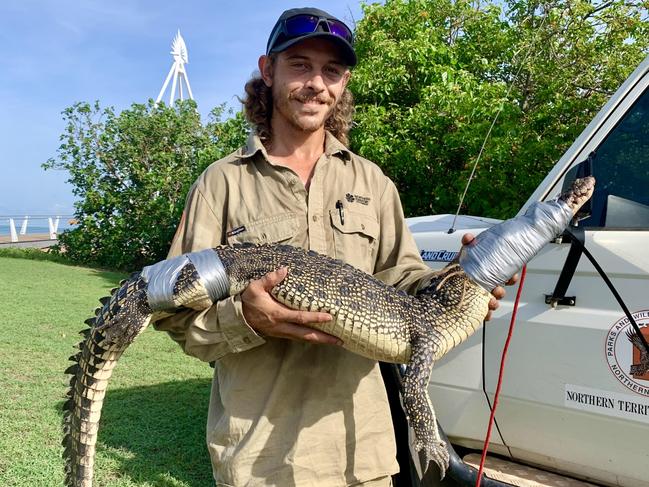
x=258, y=108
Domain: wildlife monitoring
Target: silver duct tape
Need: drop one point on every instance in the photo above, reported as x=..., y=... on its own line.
x=499, y=252
x=212, y=272
x=160, y=278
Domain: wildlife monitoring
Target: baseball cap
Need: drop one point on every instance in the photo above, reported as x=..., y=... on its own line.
x=298, y=24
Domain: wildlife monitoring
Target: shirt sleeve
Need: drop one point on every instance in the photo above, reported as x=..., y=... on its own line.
x=398, y=261
x=221, y=329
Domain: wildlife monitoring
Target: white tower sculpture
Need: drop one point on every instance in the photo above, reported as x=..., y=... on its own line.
x=177, y=71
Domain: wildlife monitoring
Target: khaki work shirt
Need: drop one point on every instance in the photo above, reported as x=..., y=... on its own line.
x=284, y=412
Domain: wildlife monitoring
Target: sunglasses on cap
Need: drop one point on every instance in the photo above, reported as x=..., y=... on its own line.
x=301, y=24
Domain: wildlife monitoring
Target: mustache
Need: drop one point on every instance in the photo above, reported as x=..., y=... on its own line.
x=307, y=97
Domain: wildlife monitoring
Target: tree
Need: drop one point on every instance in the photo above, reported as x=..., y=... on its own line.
x=131, y=173
x=433, y=75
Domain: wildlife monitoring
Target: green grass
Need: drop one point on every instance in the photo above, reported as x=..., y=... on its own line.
x=152, y=431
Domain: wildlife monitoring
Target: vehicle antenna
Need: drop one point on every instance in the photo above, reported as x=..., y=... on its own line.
x=493, y=123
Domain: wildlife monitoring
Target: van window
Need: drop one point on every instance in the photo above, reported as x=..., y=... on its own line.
x=621, y=168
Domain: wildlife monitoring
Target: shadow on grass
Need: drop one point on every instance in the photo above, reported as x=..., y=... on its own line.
x=112, y=278
x=156, y=434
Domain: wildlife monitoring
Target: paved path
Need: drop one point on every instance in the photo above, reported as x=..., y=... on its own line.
x=35, y=240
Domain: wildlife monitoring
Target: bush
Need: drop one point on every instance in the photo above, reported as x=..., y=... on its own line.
x=131, y=173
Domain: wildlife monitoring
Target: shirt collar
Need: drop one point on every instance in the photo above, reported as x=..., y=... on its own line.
x=333, y=147
x=253, y=145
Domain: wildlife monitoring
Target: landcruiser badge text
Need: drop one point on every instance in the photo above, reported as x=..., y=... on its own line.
x=626, y=359
x=438, y=255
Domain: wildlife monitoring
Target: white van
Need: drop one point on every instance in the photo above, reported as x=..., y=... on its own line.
x=572, y=401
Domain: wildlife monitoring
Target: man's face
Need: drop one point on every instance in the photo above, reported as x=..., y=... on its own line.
x=307, y=80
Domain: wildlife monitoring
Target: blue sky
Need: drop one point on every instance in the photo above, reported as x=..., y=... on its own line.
x=59, y=52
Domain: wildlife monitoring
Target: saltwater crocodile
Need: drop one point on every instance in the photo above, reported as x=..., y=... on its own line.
x=370, y=317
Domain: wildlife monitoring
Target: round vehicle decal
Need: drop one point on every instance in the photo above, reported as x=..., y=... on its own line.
x=625, y=354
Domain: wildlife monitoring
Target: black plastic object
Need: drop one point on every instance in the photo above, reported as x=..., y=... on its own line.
x=611, y=287
x=558, y=296
x=459, y=474
x=407, y=476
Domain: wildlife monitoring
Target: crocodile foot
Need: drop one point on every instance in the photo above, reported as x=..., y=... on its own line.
x=438, y=453
x=580, y=191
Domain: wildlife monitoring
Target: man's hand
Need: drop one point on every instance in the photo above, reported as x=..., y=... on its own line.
x=498, y=292
x=271, y=318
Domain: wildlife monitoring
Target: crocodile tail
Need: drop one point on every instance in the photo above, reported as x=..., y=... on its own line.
x=104, y=341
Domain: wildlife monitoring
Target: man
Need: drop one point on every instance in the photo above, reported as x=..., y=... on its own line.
x=288, y=405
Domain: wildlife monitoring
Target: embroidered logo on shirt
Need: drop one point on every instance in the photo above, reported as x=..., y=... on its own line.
x=354, y=198
x=236, y=231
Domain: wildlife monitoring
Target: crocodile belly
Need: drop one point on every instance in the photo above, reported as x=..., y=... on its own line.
x=368, y=316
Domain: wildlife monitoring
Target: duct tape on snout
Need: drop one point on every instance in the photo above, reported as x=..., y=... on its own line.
x=162, y=276
x=500, y=251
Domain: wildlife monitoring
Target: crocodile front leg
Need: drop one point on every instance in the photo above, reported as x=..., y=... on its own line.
x=419, y=409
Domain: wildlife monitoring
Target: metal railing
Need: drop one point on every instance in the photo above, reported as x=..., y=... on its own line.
x=47, y=224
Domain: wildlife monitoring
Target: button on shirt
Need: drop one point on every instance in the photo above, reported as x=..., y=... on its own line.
x=284, y=412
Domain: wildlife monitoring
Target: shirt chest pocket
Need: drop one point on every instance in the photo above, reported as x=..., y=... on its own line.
x=355, y=236
x=273, y=229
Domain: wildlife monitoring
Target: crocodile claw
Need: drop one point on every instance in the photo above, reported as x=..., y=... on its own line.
x=437, y=452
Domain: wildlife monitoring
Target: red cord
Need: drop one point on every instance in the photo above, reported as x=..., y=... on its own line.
x=500, y=376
